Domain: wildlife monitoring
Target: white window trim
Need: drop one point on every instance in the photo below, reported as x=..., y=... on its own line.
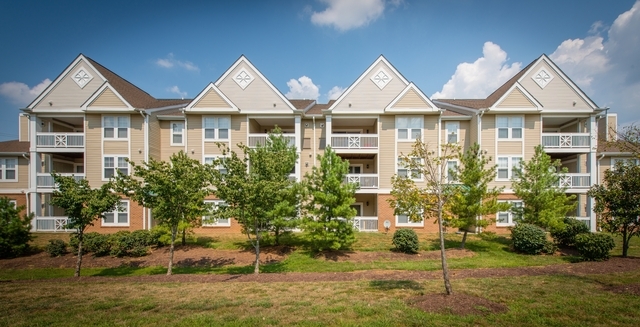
x=409, y=174
x=216, y=203
x=115, y=164
x=123, y=204
x=410, y=223
x=510, y=214
x=627, y=160
x=3, y=170
x=115, y=129
x=213, y=157
x=14, y=202
x=509, y=167
x=509, y=128
x=409, y=139
x=216, y=130
x=446, y=173
x=173, y=133
x=446, y=131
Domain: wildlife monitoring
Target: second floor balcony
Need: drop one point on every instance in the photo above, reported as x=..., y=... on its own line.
x=574, y=181
x=354, y=141
x=45, y=180
x=364, y=181
x=52, y=140
x=260, y=139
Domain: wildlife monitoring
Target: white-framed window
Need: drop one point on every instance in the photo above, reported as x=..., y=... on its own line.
x=209, y=161
x=216, y=127
x=177, y=133
x=453, y=129
x=14, y=202
x=404, y=221
x=210, y=221
x=452, y=166
x=509, y=127
x=404, y=171
x=409, y=127
x=626, y=161
x=508, y=218
x=115, y=127
x=8, y=169
x=507, y=166
x=113, y=163
x=117, y=217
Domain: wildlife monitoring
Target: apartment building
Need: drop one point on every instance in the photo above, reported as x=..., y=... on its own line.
x=89, y=120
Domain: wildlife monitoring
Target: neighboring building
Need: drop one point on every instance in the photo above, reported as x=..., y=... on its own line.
x=90, y=119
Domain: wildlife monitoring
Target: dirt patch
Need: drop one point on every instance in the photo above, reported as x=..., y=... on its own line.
x=360, y=257
x=457, y=303
x=633, y=289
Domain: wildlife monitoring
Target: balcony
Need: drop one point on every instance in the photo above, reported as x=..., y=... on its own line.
x=260, y=139
x=354, y=141
x=575, y=181
x=60, y=140
x=363, y=180
x=52, y=224
x=45, y=180
x=365, y=224
x=566, y=142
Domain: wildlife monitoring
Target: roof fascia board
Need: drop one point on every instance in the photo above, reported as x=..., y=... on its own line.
x=454, y=106
x=211, y=86
x=98, y=92
x=526, y=93
x=413, y=87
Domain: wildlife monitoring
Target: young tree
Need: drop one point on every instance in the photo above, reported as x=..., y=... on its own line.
x=82, y=205
x=618, y=202
x=429, y=200
x=328, y=214
x=538, y=185
x=256, y=188
x=474, y=197
x=14, y=229
x=175, y=191
x=628, y=140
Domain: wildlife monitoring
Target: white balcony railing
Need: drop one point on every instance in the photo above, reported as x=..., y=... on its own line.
x=60, y=140
x=354, y=141
x=52, y=224
x=585, y=220
x=45, y=180
x=366, y=224
x=362, y=180
x=260, y=139
x=566, y=140
x=573, y=180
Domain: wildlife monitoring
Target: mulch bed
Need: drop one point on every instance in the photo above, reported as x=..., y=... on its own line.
x=632, y=289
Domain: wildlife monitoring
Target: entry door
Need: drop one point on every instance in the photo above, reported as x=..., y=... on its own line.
x=353, y=169
x=358, y=207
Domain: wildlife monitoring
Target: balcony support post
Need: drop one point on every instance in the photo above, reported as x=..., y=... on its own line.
x=327, y=130
x=298, y=133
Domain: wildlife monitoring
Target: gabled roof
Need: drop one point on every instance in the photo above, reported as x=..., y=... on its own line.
x=213, y=99
x=302, y=104
x=319, y=107
x=430, y=106
x=14, y=146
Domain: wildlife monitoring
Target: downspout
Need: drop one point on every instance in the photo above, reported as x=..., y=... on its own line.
x=145, y=140
x=28, y=200
x=479, y=140
x=314, y=140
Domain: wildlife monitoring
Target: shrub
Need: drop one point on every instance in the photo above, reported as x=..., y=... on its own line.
x=56, y=248
x=549, y=248
x=121, y=243
x=160, y=236
x=594, y=246
x=139, y=251
x=529, y=239
x=406, y=240
x=566, y=235
x=98, y=244
x=15, y=230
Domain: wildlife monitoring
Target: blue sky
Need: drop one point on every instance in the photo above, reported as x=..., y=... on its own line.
x=316, y=48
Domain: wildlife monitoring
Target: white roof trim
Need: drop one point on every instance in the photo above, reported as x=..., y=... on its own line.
x=411, y=86
x=526, y=93
x=363, y=75
x=99, y=91
x=232, y=107
x=57, y=111
x=107, y=110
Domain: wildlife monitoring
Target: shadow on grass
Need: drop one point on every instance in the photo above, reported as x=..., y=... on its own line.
x=386, y=285
x=131, y=271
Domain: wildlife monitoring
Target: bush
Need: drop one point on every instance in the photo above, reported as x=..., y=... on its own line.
x=160, y=236
x=594, y=246
x=56, y=248
x=529, y=239
x=125, y=243
x=549, y=248
x=15, y=230
x=566, y=236
x=98, y=244
x=406, y=240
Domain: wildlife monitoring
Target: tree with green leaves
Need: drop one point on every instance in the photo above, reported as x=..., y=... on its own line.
x=175, y=191
x=15, y=229
x=82, y=205
x=474, y=197
x=537, y=183
x=328, y=220
x=256, y=188
x=618, y=202
x=429, y=199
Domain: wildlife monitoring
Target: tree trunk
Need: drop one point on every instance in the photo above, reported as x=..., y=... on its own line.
x=184, y=236
x=256, y=269
x=464, y=239
x=79, y=261
x=443, y=256
x=276, y=236
x=174, y=231
x=625, y=241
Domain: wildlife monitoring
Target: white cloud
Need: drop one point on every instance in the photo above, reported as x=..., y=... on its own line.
x=344, y=15
x=175, y=89
x=302, y=88
x=171, y=62
x=480, y=78
x=20, y=93
x=335, y=92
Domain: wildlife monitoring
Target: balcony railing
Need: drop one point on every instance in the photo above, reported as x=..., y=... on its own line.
x=575, y=180
x=60, y=140
x=354, y=141
x=45, y=180
x=366, y=224
x=566, y=140
x=585, y=220
x=260, y=139
x=362, y=180
x=52, y=224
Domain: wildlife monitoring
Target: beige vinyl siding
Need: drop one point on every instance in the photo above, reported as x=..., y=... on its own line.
x=488, y=140
x=572, y=166
x=165, y=139
x=108, y=99
x=212, y=100
x=211, y=148
x=23, y=175
x=431, y=129
x=405, y=148
x=364, y=162
x=238, y=131
x=532, y=134
x=411, y=99
x=605, y=164
x=93, y=154
x=306, y=155
x=557, y=94
x=463, y=133
x=56, y=128
x=193, y=138
x=582, y=162
x=67, y=94
x=136, y=134
x=387, y=143
x=24, y=128
x=472, y=136
x=62, y=167
x=115, y=147
x=155, y=148
x=254, y=127
x=516, y=99
x=612, y=126
x=370, y=210
x=509, y=147
x=257, y=95
x=367, y=96
x=355, y=129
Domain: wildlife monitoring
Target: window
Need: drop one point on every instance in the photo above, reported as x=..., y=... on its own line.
x=14, y=203
x=115, y=127
x=452, y=166
x=112, y=163
x=625, y=161
x=404, y=221
x=409, y=128
x=177, y=131
x=509, y=127
x=508, y=218
x=118, y=217
x=210, y=160
x=212, y=221
x=453, y=128
x=404, y=171
x=216, y=128
x=507, y=167
x=9, y=170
